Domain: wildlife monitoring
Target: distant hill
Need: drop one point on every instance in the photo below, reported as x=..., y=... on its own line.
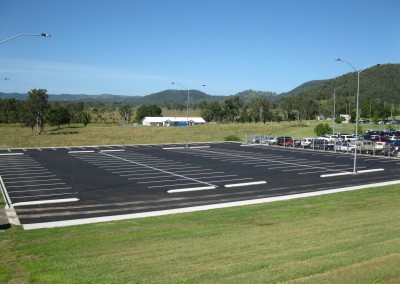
x=377, y=82
x=303, y=87
x=248, y=95
x=176, y=96
x=380, y=82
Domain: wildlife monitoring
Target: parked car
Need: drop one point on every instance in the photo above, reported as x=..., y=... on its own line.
x=347, y=137
x=320, y=144
x=346, y=146
x=395, y=148
x=381, y=147
x=284, y=141
x=259, y=139
x=271, y=141
x=306, y=142
x=329, y=138
x=340, y=146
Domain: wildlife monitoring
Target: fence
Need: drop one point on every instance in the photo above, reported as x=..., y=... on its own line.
x=4, y=193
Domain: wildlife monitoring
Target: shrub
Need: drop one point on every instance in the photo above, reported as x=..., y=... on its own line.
x=322, y=129
x=232, y=138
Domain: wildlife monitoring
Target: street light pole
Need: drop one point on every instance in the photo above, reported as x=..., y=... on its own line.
x=42, y=34
x=334, y=105
x=357, y=106
x=357, y=99
x=187, y=112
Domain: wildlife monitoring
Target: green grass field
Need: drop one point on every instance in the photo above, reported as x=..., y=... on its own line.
x=351, y=237
x=12, y=135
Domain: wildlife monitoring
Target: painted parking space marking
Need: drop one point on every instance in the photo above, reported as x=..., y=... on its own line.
x=156, y=169
x=352, y=173
x=245, y=184
x=270, y=160
x=102, y=185
x=191, y=189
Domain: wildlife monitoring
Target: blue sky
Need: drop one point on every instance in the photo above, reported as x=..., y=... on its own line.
x=139, y=47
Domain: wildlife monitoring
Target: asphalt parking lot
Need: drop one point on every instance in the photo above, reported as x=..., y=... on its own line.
x=50, y=185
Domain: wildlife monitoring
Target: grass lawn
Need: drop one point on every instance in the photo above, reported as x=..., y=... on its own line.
x=351, y=237
x=12, y=136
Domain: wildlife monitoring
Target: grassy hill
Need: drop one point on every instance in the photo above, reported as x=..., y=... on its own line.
x=380, y=82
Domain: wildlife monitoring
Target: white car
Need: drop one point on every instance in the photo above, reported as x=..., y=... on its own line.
x=270, y=140
x=306, y=142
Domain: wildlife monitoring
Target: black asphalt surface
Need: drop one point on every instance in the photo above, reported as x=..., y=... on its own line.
x=119, y=180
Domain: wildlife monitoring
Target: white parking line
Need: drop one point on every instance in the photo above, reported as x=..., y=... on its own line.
x=147, y=177
x=40, y=189
x=245, y=184
x=44, y=196
x=157, y=169
x=351, y=173
x=191, y=189
x=32, y=185
x=172, y=185
x=261, y=159
x=45, y=202
x=198, y=147
x=160, y=181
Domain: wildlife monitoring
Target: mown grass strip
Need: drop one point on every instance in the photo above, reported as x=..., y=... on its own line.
x=349, y=237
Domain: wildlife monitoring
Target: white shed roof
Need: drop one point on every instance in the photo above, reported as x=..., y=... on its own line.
x=173, y=119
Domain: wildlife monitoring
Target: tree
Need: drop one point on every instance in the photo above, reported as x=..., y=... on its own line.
x=232, y=108
x=85, y=117
x=10, y=110
x=147, y=110
x=339, y=119
x=211, y=111
x=75, y=109
x=259, y=109
x=322, y=129
x=37, y=107
x=58, y=115
x=126, y=112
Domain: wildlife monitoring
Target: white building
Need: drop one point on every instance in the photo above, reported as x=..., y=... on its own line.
x=346, y=118
x=172, y=121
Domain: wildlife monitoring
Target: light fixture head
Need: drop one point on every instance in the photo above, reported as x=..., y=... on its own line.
x=45, y=35
x=338, y=59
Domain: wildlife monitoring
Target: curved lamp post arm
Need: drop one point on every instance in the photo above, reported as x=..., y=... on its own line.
x=11, y=38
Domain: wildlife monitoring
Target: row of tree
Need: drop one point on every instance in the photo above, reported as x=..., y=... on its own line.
x=298, y=107
x=36, y=110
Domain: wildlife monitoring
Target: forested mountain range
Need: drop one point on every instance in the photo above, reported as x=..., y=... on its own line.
x=380, y=82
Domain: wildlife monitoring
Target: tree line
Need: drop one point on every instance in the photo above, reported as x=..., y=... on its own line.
x=302, y=106
x=36, y=110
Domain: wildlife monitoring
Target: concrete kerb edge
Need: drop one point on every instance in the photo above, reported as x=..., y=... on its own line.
x=200, y=208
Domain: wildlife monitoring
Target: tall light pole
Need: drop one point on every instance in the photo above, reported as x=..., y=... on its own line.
x=42, y=34
x=187, y=112
x=357, y=104
x=334, y=105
